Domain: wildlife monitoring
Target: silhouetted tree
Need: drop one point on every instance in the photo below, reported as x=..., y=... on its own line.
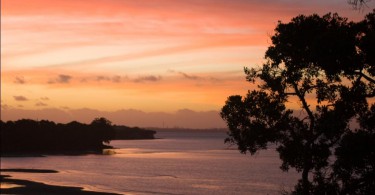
x=104, y=128
x=326, y=65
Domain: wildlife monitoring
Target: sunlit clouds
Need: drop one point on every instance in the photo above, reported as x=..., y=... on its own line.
x=153, y=56
x=167, y=92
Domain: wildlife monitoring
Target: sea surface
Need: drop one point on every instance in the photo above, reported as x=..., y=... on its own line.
x=177, y=163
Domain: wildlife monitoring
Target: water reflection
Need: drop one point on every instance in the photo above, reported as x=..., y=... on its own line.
x=109, y=151
x=177, y=164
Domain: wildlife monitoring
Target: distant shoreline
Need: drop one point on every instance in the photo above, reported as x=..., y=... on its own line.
x=176, y=129
x=11, y=185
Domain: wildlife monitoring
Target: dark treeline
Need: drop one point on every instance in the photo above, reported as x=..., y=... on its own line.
x=124, y=132
x=30, y=136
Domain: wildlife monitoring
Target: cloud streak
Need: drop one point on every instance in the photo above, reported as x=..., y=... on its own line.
x=196, y=77
x=20, y=80
x=20, y=98
x=190, y=77
x=40, y=104
x=150, y=78
x=209, y=42
x=62, y=79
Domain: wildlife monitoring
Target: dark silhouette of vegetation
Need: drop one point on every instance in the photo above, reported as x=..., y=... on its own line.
x=125, y=133
x=29, y=136
x=327, y=65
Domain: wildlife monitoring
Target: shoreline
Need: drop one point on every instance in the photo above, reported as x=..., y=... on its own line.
x=10, y=185
x=52, y=153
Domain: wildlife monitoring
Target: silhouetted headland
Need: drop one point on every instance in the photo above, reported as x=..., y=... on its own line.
x=29, y=137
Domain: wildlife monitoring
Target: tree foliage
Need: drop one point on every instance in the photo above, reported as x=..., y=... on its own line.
x=327, y=64
x=25, y=136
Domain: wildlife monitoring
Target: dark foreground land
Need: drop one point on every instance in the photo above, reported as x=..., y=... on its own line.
x=31, y=187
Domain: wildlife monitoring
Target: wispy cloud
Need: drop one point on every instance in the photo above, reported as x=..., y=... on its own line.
x=194, y=77
x=20, y=98
x=150, y=78
x=44, y=98
x=188, y=76
x=40, y=104
x=116, y=79
x=62, y=78
x=5, y=106
x=103, y=78
x=20, y=80
x=209, y=42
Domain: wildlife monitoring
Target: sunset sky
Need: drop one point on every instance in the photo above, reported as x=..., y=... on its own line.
x=62, y=59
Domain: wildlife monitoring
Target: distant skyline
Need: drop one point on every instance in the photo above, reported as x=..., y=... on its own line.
x=160, y=57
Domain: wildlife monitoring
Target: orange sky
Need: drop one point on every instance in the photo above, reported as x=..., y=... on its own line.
x=152, y=56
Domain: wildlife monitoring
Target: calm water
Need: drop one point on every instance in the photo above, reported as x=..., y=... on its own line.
x=180, y=163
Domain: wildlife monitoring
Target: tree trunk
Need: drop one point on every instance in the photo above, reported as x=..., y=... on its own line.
x=305, y=181
x=306, y=169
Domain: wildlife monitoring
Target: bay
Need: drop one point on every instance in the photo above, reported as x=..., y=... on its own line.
x=179, y=162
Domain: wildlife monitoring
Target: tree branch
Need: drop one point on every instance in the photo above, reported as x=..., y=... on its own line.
x=358, y=4
x=305, y=106
x=368, y=78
